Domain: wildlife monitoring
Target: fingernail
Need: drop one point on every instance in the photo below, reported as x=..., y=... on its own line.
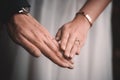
x=77, y=53
x=71, y=66
x=63, y=47
x=66, y=56
x=66, y=65
x=71, y=56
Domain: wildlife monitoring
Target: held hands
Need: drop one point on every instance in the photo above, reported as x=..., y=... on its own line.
x=32, y=36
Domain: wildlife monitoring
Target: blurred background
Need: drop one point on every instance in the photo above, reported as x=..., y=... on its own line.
x=96, y=62
x=115, y=20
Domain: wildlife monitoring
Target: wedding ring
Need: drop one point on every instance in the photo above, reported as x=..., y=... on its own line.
x=77, y=41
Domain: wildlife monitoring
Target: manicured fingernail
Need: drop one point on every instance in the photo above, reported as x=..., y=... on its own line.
x=67, y=65
x=66, y=56
x=71, y=67
x=77, y=53
x=71, y=56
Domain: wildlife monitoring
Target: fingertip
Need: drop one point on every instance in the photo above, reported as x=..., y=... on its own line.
x=36, y=53
x=67, y=56
x=78, y=52
x=71, y=61
x=62, y=47
x=57, y=38
x=71, y=57
x=71, y=66
x=64, y=65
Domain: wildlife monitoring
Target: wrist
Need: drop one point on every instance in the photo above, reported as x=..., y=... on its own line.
x=20, y=13
x=10, y=8
x=82, y=21
x=86, y=16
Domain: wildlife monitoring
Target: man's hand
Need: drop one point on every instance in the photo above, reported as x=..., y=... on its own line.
x=31, y=35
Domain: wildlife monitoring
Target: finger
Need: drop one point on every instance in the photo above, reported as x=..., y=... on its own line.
x=47, y=51
x=58, y=35
x=80, y=46
x=55, y=42
x=58, y=46
x=64, y=39
x=69, y=46
x=78, y=49
x=53, y=47
x=32, y=49
x=54, y=56
x=74, y=50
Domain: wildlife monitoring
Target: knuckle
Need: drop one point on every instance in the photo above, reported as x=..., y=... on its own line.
x=59, y=29
x=63, y=43
x=56, y=52
x=64, y=38
x=65, y=27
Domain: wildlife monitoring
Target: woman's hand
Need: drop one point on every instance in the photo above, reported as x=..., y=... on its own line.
x=72, y=35
x=31, y=35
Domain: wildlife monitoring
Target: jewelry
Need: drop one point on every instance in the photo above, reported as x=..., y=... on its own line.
x=24, y=10
x=89, y=19
x=77, y=41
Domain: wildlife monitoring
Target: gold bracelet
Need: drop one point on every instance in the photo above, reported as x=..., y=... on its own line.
x=89, y=19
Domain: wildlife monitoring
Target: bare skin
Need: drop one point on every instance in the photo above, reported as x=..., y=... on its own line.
x=31, y=35
x=72, y=35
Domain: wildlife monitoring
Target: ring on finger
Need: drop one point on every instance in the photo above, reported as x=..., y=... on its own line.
x=77, y=41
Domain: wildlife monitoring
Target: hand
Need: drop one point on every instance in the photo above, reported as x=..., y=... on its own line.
x=72, y=36
x=32, y=36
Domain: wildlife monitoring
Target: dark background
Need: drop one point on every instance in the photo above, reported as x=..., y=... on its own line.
x=116, y=38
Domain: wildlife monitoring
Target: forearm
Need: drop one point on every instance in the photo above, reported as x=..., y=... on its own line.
x=94, y=7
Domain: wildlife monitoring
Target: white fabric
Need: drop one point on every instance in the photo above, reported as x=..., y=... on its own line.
x=94, y=61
